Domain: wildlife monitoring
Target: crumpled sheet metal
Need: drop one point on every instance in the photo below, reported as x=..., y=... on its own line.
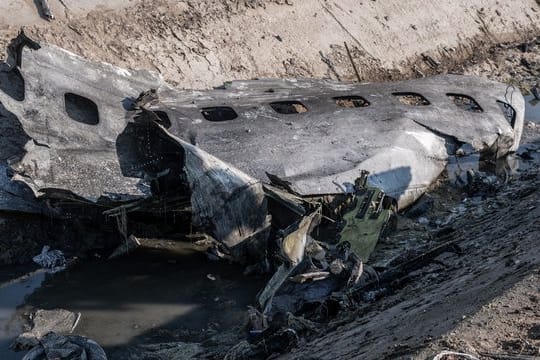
x=404, y=147
x=310, y=271
x=229, y=204
x=224, y=198
x=293, y=246
x=16, y=197
x=109, y=159
x=63, y=153
x=320, y=151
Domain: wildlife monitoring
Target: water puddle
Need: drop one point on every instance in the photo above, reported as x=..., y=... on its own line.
x=12, y=294
x=532, y=109
x=152, y=295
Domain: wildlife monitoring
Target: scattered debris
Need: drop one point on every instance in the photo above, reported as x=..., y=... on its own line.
x=66, y=347
x=51, y=259
x=481, y=184
x=47, y=13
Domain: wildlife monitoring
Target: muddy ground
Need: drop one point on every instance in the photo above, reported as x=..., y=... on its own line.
x=482, y=295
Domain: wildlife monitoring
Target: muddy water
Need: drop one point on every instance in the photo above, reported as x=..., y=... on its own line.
x=13, y=290
x=152, y=295
x=532, y=109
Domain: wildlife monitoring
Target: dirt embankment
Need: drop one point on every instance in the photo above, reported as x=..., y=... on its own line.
x=199, y=44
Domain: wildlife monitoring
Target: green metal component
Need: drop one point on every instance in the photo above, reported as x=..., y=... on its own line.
x=371, y=213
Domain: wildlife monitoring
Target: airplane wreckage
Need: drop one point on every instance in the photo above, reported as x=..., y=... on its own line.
x=258, y=165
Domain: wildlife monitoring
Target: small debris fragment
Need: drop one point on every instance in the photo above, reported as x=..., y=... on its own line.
x=536, y=91
x=481, y=183
x=126, y=247
x=46, y=10
x=312, y=276
x=336, y=266
x=50, y=259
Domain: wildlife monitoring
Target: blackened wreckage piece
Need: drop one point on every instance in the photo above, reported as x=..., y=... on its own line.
x=253, y=161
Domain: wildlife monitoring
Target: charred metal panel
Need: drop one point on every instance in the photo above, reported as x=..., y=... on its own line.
x=16, y=197
x=323, y=147
x=294, y=131
x=73, y=110
x=85, y=138
x=228, y=203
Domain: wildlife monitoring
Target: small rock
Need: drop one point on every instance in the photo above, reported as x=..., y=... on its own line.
x=43, y=322
x=336, y=266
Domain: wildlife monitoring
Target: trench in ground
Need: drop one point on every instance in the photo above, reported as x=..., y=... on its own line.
x=156, y=294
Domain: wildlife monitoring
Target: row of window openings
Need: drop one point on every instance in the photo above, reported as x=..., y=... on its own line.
x=225, y=113
x=84, y=110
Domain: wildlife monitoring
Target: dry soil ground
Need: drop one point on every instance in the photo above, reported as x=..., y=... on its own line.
x=197, y=44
